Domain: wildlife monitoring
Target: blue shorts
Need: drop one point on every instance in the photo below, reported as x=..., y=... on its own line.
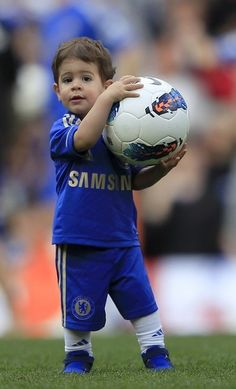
x=86, y=275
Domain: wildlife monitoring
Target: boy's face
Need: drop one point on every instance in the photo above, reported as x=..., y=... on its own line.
x=79, y=85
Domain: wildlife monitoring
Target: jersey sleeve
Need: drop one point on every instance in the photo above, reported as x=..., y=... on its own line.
x=62, y=139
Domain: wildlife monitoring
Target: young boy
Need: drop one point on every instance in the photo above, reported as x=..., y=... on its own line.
x=97, y=246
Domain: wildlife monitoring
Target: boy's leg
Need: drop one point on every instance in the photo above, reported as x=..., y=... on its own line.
x=149, y=331
x=79, y=355
x=132, y=294
x=83, y=278
x=151, y=340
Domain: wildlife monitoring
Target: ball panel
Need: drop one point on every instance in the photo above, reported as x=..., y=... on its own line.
x=154, y=85
x=179, y=125
x=142, y=154
x=153, y=129
x=114, y=112
x=126, y=127
x=111, y=140
x=137, y=105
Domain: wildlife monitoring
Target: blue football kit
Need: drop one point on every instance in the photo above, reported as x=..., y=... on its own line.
x=97, y=246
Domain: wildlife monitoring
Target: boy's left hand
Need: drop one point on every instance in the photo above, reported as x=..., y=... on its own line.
x=151, y=174
x=170, y=163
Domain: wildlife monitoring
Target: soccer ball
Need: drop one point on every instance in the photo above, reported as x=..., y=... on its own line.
x=145, y=130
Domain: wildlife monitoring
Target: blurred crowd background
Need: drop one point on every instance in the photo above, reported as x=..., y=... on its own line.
x=188, y=216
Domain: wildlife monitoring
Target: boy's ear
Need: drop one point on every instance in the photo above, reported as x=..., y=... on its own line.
x=108, y=83
x=56, y=90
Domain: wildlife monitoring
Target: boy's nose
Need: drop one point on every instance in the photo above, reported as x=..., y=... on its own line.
x=76, y=85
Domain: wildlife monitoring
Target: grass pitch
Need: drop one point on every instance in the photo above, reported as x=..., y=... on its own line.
x=200, y=362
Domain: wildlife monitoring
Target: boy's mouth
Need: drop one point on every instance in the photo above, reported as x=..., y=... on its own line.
x=76, y=98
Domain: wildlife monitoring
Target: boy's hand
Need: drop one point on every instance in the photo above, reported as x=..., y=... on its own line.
x=170, y=163
x=126, y=86
x=150, y=175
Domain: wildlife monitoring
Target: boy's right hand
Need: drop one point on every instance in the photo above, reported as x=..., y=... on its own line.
x=126, y=86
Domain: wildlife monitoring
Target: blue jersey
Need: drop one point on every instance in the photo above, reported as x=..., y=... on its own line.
x=95, y=203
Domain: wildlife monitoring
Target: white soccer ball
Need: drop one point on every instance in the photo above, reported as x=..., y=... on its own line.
x=144, y=130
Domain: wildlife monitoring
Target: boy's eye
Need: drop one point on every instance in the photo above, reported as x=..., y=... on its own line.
x=67, y=80
x=87, y=78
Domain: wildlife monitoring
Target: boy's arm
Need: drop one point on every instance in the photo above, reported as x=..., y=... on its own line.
x=150, y=175
x=92, y=125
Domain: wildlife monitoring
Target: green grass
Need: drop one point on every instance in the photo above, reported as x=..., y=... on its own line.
x=201, y=362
